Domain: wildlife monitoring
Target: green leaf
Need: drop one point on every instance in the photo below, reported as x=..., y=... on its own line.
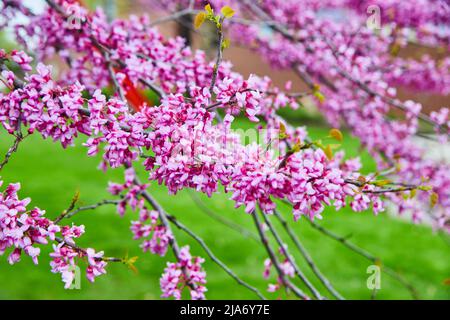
x=226, y=43
x=335, y=146
x=209, y=9
x=227, y=12
x=297, y=147
x=282, y=134
x=129, y=262
x=328, y=152
x=319, y=144
x=336, y=134
x=319, y=95
x=381, y=183
x=199, y=19
x=434, y=198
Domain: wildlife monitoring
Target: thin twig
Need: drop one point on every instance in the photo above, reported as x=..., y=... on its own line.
x=290, y=258
x=219, y=57
x=208, y=251
x=104, y=50
x=166, y=218
x=70, y=214
x=366, y=255
x=82, y=250
x=227, y=222
x=274, y=259
x=70, y=208
x=12, y=149
x=304, y=252
x=174, y=16
x=113, y=76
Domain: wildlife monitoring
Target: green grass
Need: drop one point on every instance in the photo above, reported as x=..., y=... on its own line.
x=51, y=176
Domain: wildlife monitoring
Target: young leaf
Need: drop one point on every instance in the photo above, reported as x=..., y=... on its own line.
x=433, y=199
x=209, y=9
x=199, y=19
x=335, y=146
x=129, y=262
x=226, y=43
x=328, y=152
x=319, y=144
x=297, y=147
x=336, y=134
x=282, y=134
x=395, y=49
x=378, y=263
x=319, y=95
x=227, y=12
x=381, y=183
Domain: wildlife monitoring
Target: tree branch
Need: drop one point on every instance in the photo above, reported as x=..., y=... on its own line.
x=103, y=49
x=227, y=222
x=290, y=258
x=12, y=149
x=308, y=257
x=366, y=255
x=299, y=293
x=70, y=214
x=168, y=218
x=208, y=251
x=219, y=57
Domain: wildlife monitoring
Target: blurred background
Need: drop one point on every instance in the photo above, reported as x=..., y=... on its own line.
x=51, y=177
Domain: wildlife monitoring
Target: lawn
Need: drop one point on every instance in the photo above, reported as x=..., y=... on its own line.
x=51, y=176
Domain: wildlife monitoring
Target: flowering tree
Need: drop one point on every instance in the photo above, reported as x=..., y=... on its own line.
x=184, y=138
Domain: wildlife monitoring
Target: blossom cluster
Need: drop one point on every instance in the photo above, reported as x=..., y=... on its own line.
x=357, y=71
x=188, y=145
x=286, y=269
x=184, y=140
x=23, y=230
x=148, y=223
x=187, y=272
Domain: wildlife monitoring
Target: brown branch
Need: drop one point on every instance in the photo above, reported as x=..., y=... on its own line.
x=165, y=221
x=12, y=149
x=226, y=222
x=308, y=257
x=395, y=275
x=166, y=218
x=208, y=251
x=286, y=34
x=219, y=56
x=174, y=16
x=274, y=259
x=400, y=187
x=290, y=258
x=71, y=213
x=104, y=50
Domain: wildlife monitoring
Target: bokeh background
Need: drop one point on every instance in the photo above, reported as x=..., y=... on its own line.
x=51, y=176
